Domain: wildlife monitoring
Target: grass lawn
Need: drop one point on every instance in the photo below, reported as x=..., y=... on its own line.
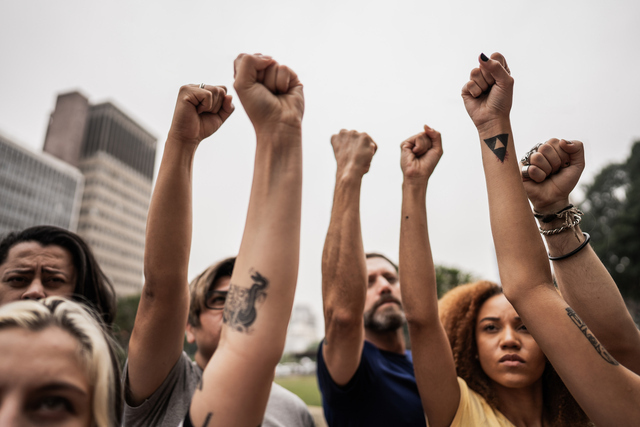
x=304, y=386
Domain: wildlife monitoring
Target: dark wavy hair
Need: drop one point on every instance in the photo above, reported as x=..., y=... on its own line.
x=92, y=286
x=458, y=310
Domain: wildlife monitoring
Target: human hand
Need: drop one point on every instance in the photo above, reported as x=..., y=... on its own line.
x=420, y=154
x=200, y=111
x=270, y=93
x=552, y=174
x=488, y=93
x=353, y=151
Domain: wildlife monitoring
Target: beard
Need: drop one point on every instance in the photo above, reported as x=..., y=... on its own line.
x=388, y=319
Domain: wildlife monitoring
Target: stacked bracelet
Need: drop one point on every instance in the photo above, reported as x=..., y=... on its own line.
x=571, y=215
x=587, y=237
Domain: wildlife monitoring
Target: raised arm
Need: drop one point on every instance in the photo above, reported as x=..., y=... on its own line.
x=236, y=382
x=158, y=333
x=553, y=171
x=344, y=270
x=608, y=392
x=432, y=357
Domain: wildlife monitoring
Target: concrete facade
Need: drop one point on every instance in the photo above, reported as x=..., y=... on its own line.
x=117, y=157
x=36, y=189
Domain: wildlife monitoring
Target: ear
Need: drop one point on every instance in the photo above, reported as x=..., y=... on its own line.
x=191, y=337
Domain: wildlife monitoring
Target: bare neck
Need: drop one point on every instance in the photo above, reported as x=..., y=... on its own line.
x=522, y=406
x=388, y=341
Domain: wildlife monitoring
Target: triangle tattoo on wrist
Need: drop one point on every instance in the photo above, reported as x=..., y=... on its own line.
x=498, y=144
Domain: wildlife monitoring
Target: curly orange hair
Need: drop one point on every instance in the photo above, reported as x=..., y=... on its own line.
x=458, y=310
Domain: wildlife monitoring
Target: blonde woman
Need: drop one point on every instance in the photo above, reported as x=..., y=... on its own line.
x=57, y=366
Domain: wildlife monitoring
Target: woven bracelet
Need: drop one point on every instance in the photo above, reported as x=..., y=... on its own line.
x=587, y=237
x=550, y=217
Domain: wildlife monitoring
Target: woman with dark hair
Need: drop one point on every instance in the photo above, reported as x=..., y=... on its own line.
x=44, y=261
x=475, y=364
x=608, y=392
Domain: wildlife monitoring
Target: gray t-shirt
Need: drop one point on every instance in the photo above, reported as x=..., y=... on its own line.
x=168, y=405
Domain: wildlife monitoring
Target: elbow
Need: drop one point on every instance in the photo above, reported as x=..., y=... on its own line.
x=339, y=321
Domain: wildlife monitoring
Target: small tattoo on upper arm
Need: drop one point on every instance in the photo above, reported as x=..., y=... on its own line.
x=498, y=144
x=200, y=384
x=207, y=419
x=240, y=308
x=592, y=339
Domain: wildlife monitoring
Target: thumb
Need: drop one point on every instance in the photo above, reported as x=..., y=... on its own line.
x=495, y=69
x=435, y=137
x=246, y=67
x=575, y=149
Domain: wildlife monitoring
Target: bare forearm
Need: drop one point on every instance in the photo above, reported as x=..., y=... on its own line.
x=589, y=289
x=344, y=272
x=515, y=241
x=168, y=235
x=419, y=290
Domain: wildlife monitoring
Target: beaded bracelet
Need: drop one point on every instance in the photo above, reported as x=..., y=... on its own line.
x=587, y=237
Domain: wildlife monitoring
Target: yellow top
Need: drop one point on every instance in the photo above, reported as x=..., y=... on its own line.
x=473, y=410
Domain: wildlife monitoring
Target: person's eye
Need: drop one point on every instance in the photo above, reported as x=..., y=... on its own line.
x=392, y=279
x=218, y=301
x=490, y=328
x=523, y=328
x=16, y=280
x=52, y=405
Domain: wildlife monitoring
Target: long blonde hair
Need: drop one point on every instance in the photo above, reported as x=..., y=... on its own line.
x=96, y=348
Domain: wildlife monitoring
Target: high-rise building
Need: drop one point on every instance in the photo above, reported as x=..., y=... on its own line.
x=116, y=156
x=301, y=332
x=36, y=189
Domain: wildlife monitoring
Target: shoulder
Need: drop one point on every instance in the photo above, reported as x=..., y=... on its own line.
x=473, y=409
x=286, y=408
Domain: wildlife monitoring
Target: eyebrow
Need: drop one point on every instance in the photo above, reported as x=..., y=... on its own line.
x=496, y=319
x=64, y=386
x=50, y=270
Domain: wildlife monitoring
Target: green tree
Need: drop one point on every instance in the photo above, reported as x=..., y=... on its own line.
x=612, y=208
x=448, y=278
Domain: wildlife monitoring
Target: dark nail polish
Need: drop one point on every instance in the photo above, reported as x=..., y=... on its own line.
x=484, y=57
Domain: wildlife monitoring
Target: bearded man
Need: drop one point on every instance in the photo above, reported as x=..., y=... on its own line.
x=365, y=373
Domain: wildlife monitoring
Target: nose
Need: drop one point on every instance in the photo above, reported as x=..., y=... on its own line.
x=35, y=290
x=509, y=338
x=384, y=287
x=9, y=413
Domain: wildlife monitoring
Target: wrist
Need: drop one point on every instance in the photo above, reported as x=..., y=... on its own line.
x=552, y=207
x=279, y=130
x=413, y=184
x=494, y=127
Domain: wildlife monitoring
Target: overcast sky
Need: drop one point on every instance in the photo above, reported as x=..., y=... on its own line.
x=371, y=66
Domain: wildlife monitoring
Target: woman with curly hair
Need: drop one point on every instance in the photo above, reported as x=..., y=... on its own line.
x=608, y=392
x=476, y=365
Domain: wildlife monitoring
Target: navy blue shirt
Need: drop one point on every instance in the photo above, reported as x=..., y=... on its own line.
x=383, y=392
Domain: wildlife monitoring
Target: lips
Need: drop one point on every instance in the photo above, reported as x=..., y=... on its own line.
x=511, y=359
x=387, y=299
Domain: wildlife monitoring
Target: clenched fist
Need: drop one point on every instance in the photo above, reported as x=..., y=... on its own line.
x=270, y=93
x=353, y=151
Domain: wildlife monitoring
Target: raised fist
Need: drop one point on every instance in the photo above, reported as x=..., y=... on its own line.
x=488, y=93
x=200, y=111
x=353, y=151
x=420, y=154
x=270, y=93
x=553, y=171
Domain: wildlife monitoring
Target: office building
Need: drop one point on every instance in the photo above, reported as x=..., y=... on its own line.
x=116, y=156
x=36, y=189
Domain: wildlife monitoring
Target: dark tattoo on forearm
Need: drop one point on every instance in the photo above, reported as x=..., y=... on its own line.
x=240, y=308
x=498, y=144
x=592, y=339
x=207, y=419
